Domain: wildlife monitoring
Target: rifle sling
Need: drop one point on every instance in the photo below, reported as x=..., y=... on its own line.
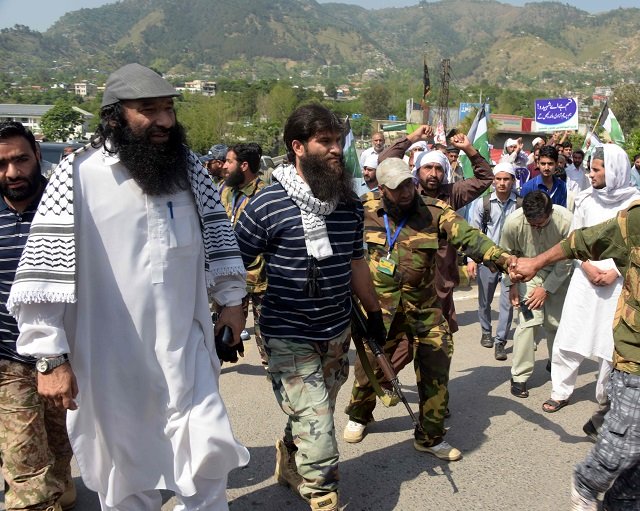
x=368, y=370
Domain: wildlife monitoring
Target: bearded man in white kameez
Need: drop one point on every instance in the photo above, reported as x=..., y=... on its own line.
x=128, y=238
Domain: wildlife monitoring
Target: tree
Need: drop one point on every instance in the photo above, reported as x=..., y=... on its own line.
x=278, y=104
x=625, y=104
x=361, y=127
x=375, y=101
x=60, y=123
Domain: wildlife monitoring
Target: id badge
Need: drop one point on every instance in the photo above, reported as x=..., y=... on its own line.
x=387, y=266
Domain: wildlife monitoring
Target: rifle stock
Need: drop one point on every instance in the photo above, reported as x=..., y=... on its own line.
x=360, y=322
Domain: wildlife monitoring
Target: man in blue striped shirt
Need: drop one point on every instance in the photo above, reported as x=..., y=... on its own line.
x=308, y=225
x=34, y=446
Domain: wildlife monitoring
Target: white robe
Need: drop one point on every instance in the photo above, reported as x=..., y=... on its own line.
x=140, y=338
x=586, y=326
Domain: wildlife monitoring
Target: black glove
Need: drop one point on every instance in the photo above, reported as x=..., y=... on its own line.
x=226, y=352
x=375, y=327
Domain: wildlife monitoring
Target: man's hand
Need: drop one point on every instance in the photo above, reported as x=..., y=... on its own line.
x=424, y=132
x=233, y=317
x=514, y=295
x=536, y=298
x=59, y=386
x=525, y=269
x=472, y=269
x=375, y=327
x=591, y=271
x=462, y=142
x=606, y=278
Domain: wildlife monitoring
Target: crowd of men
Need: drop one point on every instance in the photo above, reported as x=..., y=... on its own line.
x=112, y=267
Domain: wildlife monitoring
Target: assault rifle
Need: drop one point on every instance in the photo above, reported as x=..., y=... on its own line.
x=359, y=323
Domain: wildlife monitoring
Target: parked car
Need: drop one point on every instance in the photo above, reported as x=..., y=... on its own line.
x=53, y=152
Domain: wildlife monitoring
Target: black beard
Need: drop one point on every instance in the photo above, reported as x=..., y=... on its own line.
x=234, y=179
x=159, y=169
x=325, y=183
x=32, y=185
x=397, y=212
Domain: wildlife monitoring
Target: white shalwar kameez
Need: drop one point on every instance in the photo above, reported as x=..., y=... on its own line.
x=586, y=327
x=149, y=415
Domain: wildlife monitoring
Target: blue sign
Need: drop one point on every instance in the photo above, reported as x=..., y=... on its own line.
x=556, y=114
x=465, y=108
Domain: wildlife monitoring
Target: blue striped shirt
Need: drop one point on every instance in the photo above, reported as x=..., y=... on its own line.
x=14, y=231
x=271, y=225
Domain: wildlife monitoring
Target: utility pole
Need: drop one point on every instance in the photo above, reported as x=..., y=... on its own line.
x=426, y=82
x=443, y=98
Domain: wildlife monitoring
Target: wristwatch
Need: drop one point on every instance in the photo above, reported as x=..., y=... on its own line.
x=45, y=365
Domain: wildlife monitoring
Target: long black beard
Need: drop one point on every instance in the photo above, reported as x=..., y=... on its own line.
x=326, y=184
x=159, y=169
x=235, y=179
x=398, y=213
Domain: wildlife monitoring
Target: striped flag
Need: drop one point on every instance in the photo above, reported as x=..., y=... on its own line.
x=612, y=126
x=351, y=162
x=479, y=137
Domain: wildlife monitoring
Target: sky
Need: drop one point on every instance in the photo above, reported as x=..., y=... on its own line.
x=41, y=14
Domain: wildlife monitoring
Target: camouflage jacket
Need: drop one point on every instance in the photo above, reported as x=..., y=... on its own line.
x=619, y=239
x=234, y=201
x=413, y=254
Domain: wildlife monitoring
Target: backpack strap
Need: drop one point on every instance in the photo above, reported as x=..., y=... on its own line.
x=486, y=213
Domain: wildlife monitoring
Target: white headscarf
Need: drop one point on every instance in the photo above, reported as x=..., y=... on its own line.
x=617, y=175
x=434, y=157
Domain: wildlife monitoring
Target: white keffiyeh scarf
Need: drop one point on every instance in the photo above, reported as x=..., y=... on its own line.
x=312, y=211
x=47, y=268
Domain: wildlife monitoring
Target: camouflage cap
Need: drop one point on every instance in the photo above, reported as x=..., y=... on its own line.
x=135, y=81
x=392, y=172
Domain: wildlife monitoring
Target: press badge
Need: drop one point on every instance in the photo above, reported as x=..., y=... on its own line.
x=387, y=266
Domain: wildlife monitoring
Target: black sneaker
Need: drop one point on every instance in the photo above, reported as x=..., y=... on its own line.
x=486, y=340
x=500, y=352
x=590, y=430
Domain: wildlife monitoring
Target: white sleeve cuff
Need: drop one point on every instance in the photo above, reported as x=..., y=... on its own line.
x=41, y=328
x=229, y=291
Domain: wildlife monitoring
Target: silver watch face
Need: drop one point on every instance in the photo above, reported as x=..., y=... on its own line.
x=42, y=365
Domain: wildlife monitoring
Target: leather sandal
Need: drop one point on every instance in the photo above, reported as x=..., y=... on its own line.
x=519, y=389
x=551, y=405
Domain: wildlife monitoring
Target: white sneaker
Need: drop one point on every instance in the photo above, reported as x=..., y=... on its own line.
x=443, y=450
x=354, y=432
x=245, y=336
x=578, y=502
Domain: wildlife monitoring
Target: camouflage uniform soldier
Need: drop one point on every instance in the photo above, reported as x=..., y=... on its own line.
x=613, y=465
x=402, y=231
x=34, y=446
x=242, y=166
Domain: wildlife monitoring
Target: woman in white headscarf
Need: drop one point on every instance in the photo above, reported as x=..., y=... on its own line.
x=585, y=329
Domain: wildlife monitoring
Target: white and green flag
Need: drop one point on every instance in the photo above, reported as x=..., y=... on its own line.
x=610, y=123
x=479, y=137
x=351, y=161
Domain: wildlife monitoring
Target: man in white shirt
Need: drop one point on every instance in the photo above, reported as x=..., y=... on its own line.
x=377, y=146
x=128, y=236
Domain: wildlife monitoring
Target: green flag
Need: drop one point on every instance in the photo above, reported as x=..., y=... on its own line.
x=351, y=162
x=612, y=126
x=479, y=137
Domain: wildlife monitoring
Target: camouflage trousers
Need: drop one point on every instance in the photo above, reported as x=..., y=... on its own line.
x=256, y=308
x=306, y=378
x=431, y=348
x=34, y=445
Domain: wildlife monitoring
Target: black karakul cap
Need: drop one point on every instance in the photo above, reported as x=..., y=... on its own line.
x=135, y=81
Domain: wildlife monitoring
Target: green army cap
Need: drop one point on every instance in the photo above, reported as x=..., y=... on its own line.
x=135, y=81
x=392, y=172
